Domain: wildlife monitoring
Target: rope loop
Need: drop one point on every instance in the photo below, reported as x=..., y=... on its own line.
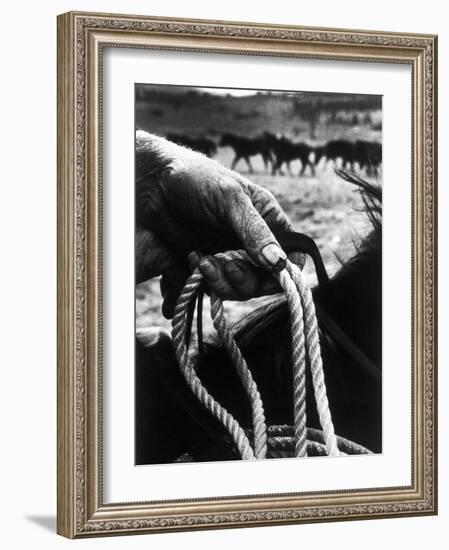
x=305, y=346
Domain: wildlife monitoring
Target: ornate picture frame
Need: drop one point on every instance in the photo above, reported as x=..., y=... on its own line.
x=82, y=39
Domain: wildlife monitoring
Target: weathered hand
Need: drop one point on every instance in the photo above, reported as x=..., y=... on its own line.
x=189, y=207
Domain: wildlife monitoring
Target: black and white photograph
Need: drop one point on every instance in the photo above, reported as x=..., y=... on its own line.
x=247, y=276
x=258, y=270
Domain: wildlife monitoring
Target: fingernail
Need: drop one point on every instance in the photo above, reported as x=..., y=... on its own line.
x=209, y=270
x=235, y=272
x=275, y=256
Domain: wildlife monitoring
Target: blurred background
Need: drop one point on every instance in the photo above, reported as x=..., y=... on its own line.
x=318, y=201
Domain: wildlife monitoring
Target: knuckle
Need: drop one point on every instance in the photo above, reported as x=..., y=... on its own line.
x=232, y=189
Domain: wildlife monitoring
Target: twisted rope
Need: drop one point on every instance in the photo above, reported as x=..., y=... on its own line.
x=304, y=331
x=281, y=443
x=260, y=428
x=298, y=360
x=188, y=369
x=316, y=362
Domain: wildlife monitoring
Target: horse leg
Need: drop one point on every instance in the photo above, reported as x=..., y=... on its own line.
x=250, y=167
x=271, y=160
x=268, y=161
x=278, y=167
x=265, y=161
x=235, y=161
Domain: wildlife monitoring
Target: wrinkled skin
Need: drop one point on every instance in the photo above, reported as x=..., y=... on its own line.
x=188, y=207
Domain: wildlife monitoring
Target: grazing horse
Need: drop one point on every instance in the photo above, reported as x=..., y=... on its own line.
x=246, y=147
x=202, y=145
x=172, y=425
x=286, y=150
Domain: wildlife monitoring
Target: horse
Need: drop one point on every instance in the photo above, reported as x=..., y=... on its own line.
x=247, y=147
x=171, y=425
x=203, y=145
x=337, y=149
x=285, y=151
x=367, y=154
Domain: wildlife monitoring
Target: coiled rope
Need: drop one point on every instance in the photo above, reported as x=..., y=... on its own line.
x=305, y=344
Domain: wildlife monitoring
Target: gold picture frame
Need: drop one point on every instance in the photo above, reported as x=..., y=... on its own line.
x=81, y=39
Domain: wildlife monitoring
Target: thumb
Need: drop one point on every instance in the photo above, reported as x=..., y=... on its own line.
x=254, y=233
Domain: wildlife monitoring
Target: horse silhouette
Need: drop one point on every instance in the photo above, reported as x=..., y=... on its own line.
x=286, y=151
x=247, y=147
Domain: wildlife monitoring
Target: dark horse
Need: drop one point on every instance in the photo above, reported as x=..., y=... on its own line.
x=247, y=147
x=203, y=145
x=367, y=154
x=171, y=424
x=337, y=149
x=285, y=151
